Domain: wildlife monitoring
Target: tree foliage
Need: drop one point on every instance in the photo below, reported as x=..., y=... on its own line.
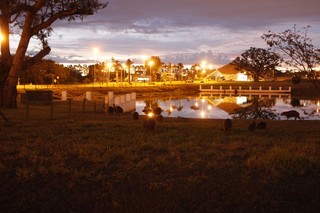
x=298, y=50
x=257, y=62
x=118, y=68
x=156, y=66
x=49, y=72
x=32, y=19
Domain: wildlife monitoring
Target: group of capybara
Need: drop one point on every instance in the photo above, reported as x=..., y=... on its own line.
x=114, y=110
x=153, y=115
x=252, y=126
x=260, y=125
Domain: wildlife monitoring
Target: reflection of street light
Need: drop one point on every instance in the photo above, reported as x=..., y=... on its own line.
x=150, y=114
x=144, y=58
x=1, y=39
x=150, y=64
x=95, y=52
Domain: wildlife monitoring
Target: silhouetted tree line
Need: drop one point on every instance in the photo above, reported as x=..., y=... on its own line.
x=50, y=72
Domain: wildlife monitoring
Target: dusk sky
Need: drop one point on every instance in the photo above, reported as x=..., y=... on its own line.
x=185, y=31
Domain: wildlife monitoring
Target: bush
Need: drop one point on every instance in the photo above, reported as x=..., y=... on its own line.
x=296, y=79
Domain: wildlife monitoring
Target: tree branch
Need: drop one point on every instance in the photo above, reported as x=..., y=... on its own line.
x=40, y=55
x=52, y=19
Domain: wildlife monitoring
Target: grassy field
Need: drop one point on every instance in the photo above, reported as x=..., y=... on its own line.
x=86, y=162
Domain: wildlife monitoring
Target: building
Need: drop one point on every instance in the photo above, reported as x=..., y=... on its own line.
x=229, y=73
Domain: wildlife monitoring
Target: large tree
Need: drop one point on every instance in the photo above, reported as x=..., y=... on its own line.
x=258, y=62
x=32, y=19
x=298, y=51
x=155, y=67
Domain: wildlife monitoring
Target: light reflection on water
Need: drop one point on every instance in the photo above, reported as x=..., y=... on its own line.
x=220, y=107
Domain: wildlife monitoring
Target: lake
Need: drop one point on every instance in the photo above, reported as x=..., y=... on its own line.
x=221, y=106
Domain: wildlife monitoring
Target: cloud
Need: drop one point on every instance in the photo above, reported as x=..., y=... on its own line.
x=182, y=29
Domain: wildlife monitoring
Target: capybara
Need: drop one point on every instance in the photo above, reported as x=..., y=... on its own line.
x=157, y=111
x=227, y=125
x=291, y=113
x=252, y=126
x=147, y=110
x=118, y=110
x=261, y=125
x=135, y=116
x=110, y=110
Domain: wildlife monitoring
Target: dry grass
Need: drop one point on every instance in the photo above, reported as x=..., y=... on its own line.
x=87, y=162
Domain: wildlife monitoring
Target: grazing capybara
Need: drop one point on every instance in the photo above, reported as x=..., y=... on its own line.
x=252, y=126
x=147, y=110
x=291, y=113
x=149, y=124
x=135, y=116
x=157, y=111
x=118, y=110
x=110, y=110
x=261, y=125
x=227, y=125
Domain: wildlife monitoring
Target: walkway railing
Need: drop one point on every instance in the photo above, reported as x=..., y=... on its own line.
x=250, y=89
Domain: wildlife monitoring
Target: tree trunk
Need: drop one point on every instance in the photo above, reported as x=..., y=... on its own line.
x=256, y=78
x=9, y=95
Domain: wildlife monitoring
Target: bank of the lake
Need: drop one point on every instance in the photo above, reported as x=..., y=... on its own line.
x=304, y=90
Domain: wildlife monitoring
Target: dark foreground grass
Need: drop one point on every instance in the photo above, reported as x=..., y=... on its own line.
x=97, y=163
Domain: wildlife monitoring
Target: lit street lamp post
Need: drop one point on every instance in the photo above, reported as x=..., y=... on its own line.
x=95, y=52
x=109, y=65
x=150, y=64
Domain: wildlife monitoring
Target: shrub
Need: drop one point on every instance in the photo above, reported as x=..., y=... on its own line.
x=296, y=79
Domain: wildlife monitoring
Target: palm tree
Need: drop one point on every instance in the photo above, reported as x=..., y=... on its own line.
x=129, y=62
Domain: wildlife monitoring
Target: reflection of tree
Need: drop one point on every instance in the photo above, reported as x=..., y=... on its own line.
x=260, y=109
x=180, y=107
x=170, y=108
x=195, y=107
x=150, y=105
x=295, y=102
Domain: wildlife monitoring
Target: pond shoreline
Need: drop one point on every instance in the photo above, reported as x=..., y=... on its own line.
x=303, y=90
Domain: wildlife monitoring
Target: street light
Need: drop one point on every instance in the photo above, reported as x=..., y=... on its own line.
x=109, y=65
x=95, y=52
x=150, y=64
x=123, y=71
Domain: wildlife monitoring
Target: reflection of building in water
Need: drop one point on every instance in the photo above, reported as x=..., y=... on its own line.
x=227, y=104
x=219, y=106
x=230, y=102
x=310, y=107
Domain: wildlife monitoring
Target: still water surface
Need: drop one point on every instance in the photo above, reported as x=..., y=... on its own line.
x=217, y=106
